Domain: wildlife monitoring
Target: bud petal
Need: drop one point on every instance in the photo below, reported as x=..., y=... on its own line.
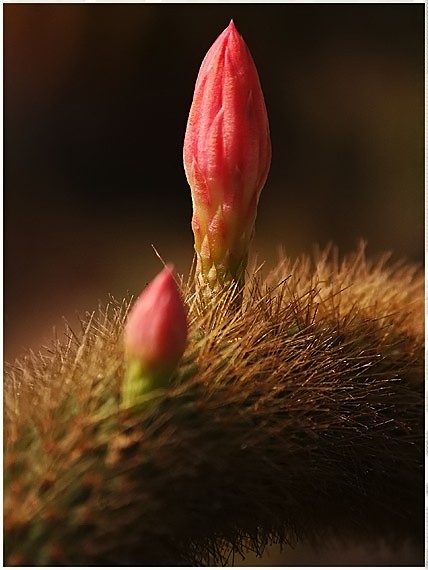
x=155, y=335
x=227, y=155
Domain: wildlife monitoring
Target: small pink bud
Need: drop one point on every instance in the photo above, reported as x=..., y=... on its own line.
x=227, y=154
x=156, y=331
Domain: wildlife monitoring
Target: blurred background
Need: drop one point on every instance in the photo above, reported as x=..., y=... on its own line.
x=95, y=107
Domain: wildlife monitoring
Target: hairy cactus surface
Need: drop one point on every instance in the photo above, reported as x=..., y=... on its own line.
x=298, y=415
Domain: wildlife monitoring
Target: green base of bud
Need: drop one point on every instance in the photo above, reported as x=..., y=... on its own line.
x=141, y=384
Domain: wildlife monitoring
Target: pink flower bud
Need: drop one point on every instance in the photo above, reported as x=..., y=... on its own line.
x=227, y=153
x=156, y=329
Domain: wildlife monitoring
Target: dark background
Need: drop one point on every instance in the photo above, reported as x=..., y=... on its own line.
x=95, y=106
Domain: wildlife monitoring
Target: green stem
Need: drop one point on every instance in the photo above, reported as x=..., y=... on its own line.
x=139, y=383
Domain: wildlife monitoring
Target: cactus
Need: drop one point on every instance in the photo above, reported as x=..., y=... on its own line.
x=300, y=417
x=296, y=415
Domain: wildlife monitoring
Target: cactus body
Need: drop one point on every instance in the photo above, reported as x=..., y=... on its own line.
x=300, y=417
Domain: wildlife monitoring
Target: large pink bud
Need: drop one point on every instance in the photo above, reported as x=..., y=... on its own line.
x=227, y=154
x=155, y=335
